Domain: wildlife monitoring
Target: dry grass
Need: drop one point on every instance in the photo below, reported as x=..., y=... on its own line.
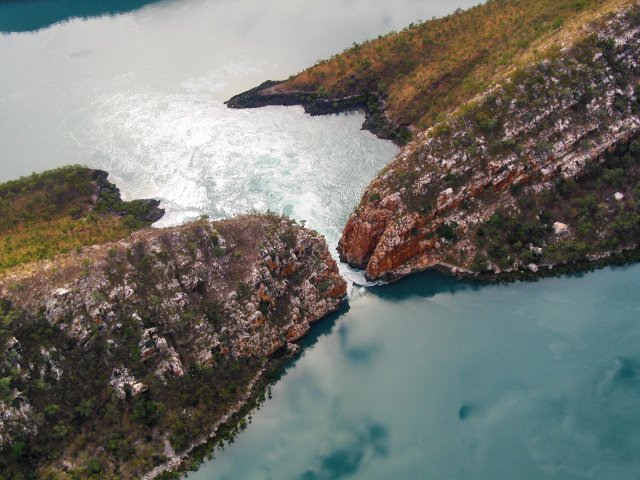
x=40, y=240
x=427, y=70
x=50, y=213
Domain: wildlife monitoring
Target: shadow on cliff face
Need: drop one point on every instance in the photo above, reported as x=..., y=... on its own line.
x=431, y=283
x=323, y=327
x=32, y=15
x=426, y=284
x=352, y=446
x=318, y=330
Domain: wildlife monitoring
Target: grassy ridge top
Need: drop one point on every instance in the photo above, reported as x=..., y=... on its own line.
x=427, y=70
x=60, y=210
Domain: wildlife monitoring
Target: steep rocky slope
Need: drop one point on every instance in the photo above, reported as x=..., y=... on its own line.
x=116, y=357
x=407, y=81
x=540, y=170
x=523, y=156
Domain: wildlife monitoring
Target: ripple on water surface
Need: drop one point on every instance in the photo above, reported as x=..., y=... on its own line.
x=201, y=158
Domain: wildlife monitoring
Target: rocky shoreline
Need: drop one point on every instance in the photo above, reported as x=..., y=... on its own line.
x=177, y=462
x=541, y=146
x=271, y=93
x=107, y=196
x=232, y=423
x=485, y=189
x=524, y=274
x=169, y=329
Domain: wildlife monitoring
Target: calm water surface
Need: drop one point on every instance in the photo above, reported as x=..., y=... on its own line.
x=437, y=379
x=426, y=379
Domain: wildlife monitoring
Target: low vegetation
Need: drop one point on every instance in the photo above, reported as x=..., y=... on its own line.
x=78, y=413
x=428, y=69
x=599, y=222
x=61, y=210
x=118, y=359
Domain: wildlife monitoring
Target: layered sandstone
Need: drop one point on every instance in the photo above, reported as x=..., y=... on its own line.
x=154, y=338
x=547, y=123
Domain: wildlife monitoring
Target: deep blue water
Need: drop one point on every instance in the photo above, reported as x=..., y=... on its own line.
x=30, y=15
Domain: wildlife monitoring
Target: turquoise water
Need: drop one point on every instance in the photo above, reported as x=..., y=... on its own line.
x=437, y=379
x=430, y=378
x=30, y=15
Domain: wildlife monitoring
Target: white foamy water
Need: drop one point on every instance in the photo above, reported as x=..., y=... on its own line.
x=200, y=157
x=140, y=94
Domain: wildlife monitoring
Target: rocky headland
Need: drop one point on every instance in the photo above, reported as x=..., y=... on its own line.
x=521, y=178
x=57, y=211
x=274, y=93
x=119, y=358
x=535, y=174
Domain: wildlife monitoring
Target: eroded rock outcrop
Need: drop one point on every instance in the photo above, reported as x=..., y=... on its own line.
x=547, y=126
x=164, y=331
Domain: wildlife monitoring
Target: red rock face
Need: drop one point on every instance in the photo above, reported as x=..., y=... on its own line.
x=338, y=289
x=386, y=261
x=362, y=234
x=463, y=173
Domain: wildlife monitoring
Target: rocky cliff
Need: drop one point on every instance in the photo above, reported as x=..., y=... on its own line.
x=523, y=120
x=538, y=171
x=116, y=357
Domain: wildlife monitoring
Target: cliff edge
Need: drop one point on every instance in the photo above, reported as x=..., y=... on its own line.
x=520, y=152
x=539, y=171
x=118, y=359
